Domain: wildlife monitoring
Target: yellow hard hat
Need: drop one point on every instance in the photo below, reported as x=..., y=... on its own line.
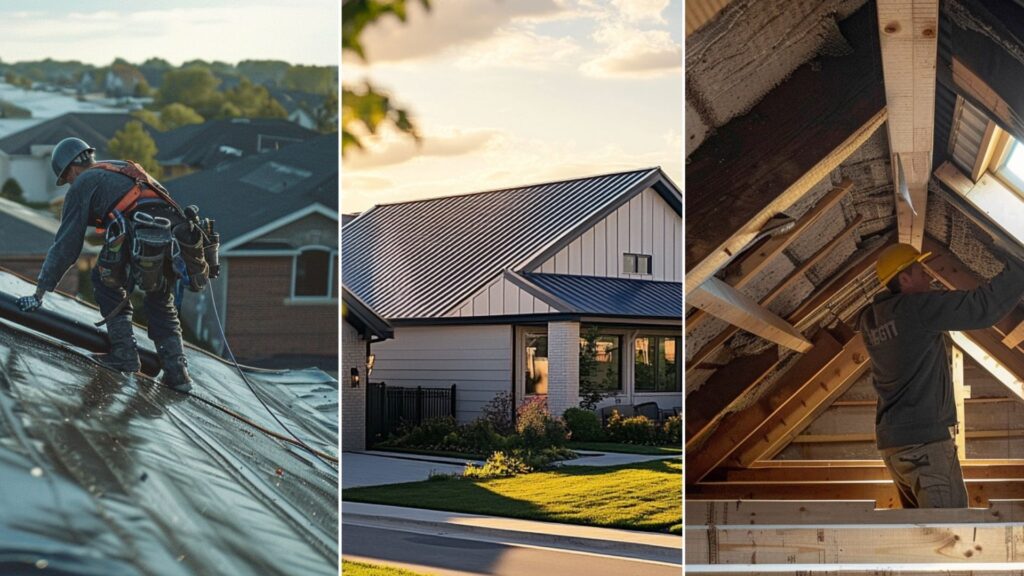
x=895, y=259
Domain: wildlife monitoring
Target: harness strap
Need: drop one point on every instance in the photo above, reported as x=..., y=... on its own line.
x=145, y=188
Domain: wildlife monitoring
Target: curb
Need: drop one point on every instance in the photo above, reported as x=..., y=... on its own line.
x=621, y=548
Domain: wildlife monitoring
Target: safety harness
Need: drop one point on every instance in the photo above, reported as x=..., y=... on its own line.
x=144, y=188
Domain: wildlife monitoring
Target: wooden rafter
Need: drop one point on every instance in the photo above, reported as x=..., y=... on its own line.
x=882, y=492
x=908, y=38
x=723, y=301
x=835, y=471
x=817, y=513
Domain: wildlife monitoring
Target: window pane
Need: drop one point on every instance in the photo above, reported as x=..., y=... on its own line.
x=644, y=364
x=629, y=263
x=668, y=365
x=536, y=363
x=606, y=371
x=311, y=273
x=644, y=264
x=1015, y=163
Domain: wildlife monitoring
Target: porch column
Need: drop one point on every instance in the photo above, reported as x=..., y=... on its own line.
x=563, y=366
x=353, y=400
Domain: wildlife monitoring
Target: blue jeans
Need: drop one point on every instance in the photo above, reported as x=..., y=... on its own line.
x=159, y=307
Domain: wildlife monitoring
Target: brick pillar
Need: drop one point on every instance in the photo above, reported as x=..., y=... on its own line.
x=563, y=366
x=353, y=400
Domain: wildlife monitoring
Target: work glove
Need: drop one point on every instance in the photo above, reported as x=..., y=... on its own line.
x=30, y=303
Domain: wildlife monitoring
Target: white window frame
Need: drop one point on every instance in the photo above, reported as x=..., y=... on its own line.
x=631, y=264
x=632, y=363
x=331, y=273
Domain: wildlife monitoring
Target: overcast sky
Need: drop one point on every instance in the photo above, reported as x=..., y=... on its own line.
x=517, y=92
x=97, y=31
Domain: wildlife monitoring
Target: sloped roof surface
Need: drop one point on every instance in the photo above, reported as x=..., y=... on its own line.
x=96, y=128
x=104, y=473
x=203, y=145
x=614, y=296
x=419, y=259
x=23, y=231
x=246, y=195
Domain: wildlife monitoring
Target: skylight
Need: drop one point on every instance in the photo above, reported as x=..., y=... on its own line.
x=1013, y=169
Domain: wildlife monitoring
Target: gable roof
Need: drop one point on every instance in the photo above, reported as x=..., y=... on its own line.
x=256, y=191
x=23, y=231
x=419, y=259
x=362, y=317
x=210, y=143
x=622, y=297
x=96, y=128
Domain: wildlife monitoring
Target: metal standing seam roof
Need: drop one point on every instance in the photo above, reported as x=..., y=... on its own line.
x=419, y=259
x=613, y=296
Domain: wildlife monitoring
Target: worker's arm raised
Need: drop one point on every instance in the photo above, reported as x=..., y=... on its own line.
x=970, y=309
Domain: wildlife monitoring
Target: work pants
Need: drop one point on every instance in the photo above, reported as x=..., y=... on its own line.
x=927, y=475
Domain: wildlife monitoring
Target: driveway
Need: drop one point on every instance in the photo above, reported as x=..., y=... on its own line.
x=362, y=469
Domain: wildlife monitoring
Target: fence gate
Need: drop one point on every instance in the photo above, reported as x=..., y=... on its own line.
x=388, y=407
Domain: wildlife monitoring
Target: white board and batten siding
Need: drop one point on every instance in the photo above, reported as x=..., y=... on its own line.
x=498, y=298
x=644, y=225
x=477, y=359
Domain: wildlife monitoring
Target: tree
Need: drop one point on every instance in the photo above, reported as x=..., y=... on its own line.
x=312, y=79
x=591, y=392
x=150, y=118
x=363, y=111
x=133, y=143
x=177, y=115
x=326, y=115
x=194, y=86
x=253, y=101
x=264, y=72
x=12, y=191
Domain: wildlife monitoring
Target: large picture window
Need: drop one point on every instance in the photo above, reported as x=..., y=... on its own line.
x=657, y=364
x=601, y=362
x=536, y=362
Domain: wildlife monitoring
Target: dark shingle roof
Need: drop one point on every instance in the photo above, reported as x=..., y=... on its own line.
x=96, y=128
x=419, y=259
x=208, y=144
x=255, y=191
x=23, y=231
x=613, y=296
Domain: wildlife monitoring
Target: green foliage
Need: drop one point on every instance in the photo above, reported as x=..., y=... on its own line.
x=269, y=72
x=195, y=87
x=632, y=430
x=251, y=101
x=499, y=465
x=149, y=118
x=8, y=110
x=12, y=191
x=500, y=413
x=133, y=143
x=313, y=79
x=177, y=115
x=591, y=393
x=326, y=115
x=356, y=15
x=672, y=431
x=142, y=89
x=584, y=425
x=535, y=428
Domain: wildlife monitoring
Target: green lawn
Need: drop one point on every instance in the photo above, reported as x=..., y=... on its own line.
x=360, y=569
x=645, y=496
x=625, y=448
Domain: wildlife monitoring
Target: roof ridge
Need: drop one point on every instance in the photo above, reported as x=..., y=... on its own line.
x=511, y=188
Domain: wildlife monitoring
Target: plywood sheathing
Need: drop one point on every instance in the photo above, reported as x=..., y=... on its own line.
x=750, y=48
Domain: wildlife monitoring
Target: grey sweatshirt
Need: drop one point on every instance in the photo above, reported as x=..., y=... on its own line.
x=905, y=337
x=94, y=193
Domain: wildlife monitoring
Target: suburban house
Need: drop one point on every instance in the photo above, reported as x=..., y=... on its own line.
x=300, y=106
x=360, y=329
x=819, y=134
x=216, y=142
x=26, y=236
x=25, y=155
x=277, y=216
x=495, y=291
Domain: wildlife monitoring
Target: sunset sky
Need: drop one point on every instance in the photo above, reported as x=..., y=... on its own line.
x=509, y=93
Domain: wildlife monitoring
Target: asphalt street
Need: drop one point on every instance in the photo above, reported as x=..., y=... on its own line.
x=452, y=555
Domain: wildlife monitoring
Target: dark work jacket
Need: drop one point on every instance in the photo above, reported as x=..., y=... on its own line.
x=94, y=193
x=905, y=337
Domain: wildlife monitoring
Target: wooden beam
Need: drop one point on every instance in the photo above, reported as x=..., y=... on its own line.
x=985, y=151
x=908, y=39
x=971, y=85
x=734, y=428
x=727, y=384
x=807, y=402
x=1015, y=337
x=971, y=343
x=972, y=469
x=700, y=12
x=960, y=392
x=751, y=263
x=818, y=513
x=759, y=164
x=723, y=301
x=883, y=492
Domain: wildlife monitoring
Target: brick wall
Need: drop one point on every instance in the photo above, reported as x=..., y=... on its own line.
x=353, y=400
x=29, y=268
x=260, y=323
x=563, y=366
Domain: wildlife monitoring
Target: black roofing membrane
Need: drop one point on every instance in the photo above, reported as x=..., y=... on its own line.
x=103, y=473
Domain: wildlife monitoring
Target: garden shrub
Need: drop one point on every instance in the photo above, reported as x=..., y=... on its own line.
x=499, y=465
x=536, y=428
x=584, y=425
x=632, y=430
x=432, y=432
x=672, y=431
x=499, y=412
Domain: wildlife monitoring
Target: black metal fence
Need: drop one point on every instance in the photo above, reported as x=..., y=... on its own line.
x=388, y=407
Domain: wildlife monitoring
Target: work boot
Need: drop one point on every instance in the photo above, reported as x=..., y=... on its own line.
x=123, y=355
x=174, y=364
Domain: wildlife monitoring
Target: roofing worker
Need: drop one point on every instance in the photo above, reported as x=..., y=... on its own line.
x=904, y=330
x=144, y=230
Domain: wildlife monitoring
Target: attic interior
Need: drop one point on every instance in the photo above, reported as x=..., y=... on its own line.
x=802, y=120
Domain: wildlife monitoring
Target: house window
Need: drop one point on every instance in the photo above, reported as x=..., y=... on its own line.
x=657, y=364
x=636, y=263
x=1012, y=171
x=601, y=362
x=313, y=273
x=536, y=362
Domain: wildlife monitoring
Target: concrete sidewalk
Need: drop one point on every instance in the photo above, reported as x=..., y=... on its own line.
x=604, y=541
x=587, y=458
x=362, y=469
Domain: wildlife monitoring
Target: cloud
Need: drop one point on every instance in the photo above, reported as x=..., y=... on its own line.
x=447, y=25
x=632, y=52
x=304, y=31
x=518, y=49
x=642, y=10
x=391, y=147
